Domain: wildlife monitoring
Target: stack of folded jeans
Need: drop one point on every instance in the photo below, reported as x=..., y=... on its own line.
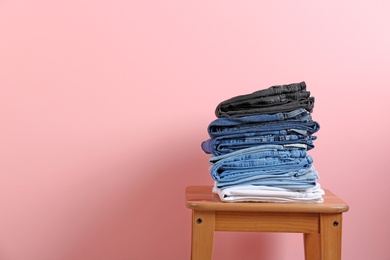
x=259, y=145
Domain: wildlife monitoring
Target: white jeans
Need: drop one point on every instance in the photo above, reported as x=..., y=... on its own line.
x=270, y=194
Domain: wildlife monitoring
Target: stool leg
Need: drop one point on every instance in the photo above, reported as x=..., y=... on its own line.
x=330, y=229
x=203, y=227
x=312, y=246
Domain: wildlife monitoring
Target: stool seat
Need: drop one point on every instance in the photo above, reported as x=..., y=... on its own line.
x=321, y=224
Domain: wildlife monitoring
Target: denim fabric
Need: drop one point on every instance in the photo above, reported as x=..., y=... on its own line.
x=308, y=180
x=270, y=194
x=281, y=162
x=304, y=178
x=230, y=143
x=256, y=149
x=307, y=103
x=292, y=179
x=227, y=123
x=310, y=127
x=271, y=165
x=275, y=99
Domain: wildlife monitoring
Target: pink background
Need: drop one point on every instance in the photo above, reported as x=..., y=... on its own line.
x=104, y=104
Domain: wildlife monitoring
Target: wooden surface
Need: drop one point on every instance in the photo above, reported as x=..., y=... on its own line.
x=321, y=224
x=202, y=198
x=252, y=221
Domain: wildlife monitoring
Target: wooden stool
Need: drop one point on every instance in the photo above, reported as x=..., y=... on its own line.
x=321, y=224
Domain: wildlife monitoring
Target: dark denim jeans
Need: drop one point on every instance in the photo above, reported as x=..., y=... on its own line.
x=281, y=98
x=229, y=124
x=310, y=127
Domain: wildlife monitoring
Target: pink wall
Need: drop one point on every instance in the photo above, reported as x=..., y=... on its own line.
x=104, y=104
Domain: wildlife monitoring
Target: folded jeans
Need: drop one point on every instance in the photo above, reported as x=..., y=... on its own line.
x=274, y=99
x=270, y=194
x=228, y=124
x=230, y=143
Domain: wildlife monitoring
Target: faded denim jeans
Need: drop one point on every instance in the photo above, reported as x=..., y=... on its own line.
x=230, y=143
x=285, y=166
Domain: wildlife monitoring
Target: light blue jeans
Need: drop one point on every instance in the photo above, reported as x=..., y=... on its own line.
x=307, y=179
x=286, y=166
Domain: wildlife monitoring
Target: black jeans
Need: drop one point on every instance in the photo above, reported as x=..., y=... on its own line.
x=281, y=98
